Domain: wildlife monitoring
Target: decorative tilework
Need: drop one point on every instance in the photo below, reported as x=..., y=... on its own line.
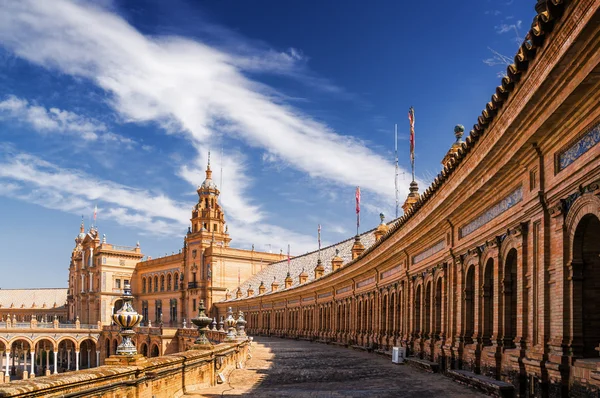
x=515, y=197
x=293, y=301
x=365, y=282
x=307, y=299
x=390, y=272
x=323, y=295
x=430, y=251
x=581, y=146
x=343, y=290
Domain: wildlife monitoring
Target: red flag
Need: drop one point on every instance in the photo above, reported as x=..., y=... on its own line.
x=411, y=119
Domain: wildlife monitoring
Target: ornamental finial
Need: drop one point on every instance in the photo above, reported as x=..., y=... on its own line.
x=459, y=130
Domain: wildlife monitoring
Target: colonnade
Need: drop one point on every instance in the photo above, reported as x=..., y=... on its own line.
x=22, y=358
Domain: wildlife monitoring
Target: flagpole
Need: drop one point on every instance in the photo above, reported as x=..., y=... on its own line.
x=411, y=118
x=288, y=259
x=396, y=172
x=357, y=196
x=319, y=238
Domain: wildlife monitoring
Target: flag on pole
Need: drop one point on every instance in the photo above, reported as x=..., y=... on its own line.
x=411, y=119
x=319, y=235
x=357, y=209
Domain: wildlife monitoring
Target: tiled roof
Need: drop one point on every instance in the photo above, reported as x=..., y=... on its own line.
x=549, y=13
x=27, y=298
x=307, y=262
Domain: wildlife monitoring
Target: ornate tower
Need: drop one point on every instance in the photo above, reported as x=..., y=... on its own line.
x=208, y=219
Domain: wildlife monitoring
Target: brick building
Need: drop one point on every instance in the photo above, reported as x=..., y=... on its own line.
x=493, y=268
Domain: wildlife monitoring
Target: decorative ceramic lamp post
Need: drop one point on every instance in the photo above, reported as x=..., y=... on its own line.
x=202, y=322
x=230, y=323
x=241, y=326
x=221, y=323
x=213, y=325
x=127, y=318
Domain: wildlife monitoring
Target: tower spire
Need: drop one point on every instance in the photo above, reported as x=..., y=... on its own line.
x=208, y=170
x=82, y=227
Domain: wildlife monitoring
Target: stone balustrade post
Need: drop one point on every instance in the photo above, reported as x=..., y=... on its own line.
x=7, y=353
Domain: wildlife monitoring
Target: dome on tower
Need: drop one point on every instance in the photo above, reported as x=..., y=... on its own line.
x=208, y=184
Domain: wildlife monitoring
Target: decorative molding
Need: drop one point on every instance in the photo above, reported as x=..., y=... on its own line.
x=430, y=251
x=307, y=299
x=343, y=290
x=512, y=199
x=575, y=150
x=365, y=282
x=323, y=295
x=390, y=272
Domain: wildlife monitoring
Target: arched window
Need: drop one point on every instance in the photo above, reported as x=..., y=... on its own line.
x=162, y=283
x=427, y=310
x=149, y=284
x=470, y=305
x=510, y=298
x=156, y=283
x=488, y=297
x=586, y=259
x=143, y=285
x=176, y=281
x=169, y=282
x=417, y=327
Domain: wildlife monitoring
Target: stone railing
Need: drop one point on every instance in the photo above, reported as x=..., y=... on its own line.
x=50, y=325
x=167, y=376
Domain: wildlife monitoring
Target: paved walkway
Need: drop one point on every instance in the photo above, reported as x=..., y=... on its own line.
x=289, y=368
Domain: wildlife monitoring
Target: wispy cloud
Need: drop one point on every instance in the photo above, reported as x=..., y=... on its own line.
x=199, y=91
x=186, y=86
x=31, y=179
x=55, y=120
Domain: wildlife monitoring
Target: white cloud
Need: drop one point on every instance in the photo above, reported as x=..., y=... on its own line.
x=203, y=92
x=31, y=179
x=37, y=181
x=188, y=85
x=54, y=120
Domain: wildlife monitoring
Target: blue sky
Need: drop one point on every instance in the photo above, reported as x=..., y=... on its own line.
x=117, y=103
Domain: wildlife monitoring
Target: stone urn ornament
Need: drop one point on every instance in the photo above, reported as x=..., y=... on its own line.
x=230, y=322
x=127, y=318
x=241, y=326
x=202, y=321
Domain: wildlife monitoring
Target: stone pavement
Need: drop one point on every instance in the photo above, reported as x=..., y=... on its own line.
x=289, y=368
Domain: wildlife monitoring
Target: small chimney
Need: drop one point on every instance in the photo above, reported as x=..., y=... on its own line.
x=337, y=262
x=382, y=228
x=357, y=247
x=302, y=277
x=274, y=285
x=238, y=293
x=250, y=291
x=319, y=269
x=288, y=281
x=261, y=288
